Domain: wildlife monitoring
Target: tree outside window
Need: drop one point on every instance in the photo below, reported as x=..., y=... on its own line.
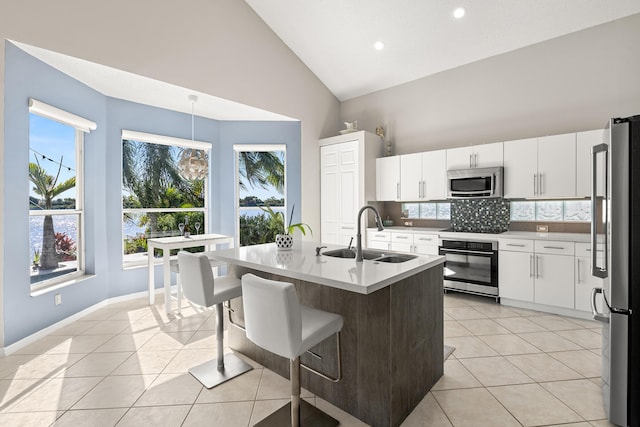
x=156, y=199
x=55, y=202
x=260, y=183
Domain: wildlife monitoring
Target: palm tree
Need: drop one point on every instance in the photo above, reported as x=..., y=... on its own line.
x=47, y=187
x=261, y=168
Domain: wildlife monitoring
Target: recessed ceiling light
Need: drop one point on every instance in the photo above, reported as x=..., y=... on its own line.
x=378, y=45
x=459, y=12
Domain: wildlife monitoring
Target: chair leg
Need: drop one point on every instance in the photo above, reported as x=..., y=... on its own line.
x=294, y=372
x=215, y=372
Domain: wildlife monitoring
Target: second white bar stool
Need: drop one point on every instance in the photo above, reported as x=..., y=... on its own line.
x=276, y=321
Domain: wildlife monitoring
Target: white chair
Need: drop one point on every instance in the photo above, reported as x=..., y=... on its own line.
x=276, y=321
x=174, y=266
x=200, y=288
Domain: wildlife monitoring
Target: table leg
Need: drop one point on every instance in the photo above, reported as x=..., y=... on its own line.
x=150, y=267
x=166, y=268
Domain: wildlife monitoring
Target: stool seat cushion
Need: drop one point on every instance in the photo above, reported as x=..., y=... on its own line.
x=317, y=326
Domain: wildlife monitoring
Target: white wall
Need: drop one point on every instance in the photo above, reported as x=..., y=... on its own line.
x=219, y=47
x=572, y=83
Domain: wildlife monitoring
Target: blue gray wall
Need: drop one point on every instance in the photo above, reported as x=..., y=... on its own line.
x=27, y=77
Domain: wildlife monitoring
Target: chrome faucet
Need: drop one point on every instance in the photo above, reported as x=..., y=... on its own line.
x=359, y=257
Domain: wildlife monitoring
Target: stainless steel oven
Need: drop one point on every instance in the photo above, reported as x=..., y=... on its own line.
x=471, y=266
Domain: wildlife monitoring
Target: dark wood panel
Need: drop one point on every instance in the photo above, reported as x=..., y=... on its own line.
x=392, y=345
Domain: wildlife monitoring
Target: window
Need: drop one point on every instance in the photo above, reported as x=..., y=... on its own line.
x=56, y=214
x=260, y=189
x=551, y=210
x=156, y=200
x=435, y=210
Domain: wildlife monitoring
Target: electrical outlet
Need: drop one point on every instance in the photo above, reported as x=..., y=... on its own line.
x=542, y=228
x=58, y=299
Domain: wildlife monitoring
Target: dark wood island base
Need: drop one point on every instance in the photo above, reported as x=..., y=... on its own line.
x=391, y=345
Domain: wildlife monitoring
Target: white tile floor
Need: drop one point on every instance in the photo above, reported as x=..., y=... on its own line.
x=126, y=365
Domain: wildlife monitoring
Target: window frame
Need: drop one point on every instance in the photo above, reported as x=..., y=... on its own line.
x=149, y=138
x=80, y=126
x=238, y=148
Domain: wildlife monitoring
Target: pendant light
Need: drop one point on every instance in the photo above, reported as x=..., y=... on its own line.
x=193, y=163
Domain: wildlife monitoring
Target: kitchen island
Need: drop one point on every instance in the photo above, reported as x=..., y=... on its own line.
x=392, y=339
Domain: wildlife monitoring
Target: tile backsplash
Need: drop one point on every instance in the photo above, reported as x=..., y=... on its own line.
x=480, y=215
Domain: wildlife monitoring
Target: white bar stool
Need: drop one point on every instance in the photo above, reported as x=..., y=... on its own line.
x=276, y=321
x=174, y=267
x=199, y=288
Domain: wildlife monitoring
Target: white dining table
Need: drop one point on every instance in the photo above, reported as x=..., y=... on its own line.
x=210, y=241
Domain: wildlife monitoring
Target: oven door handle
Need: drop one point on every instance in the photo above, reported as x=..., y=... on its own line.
x=465, y=251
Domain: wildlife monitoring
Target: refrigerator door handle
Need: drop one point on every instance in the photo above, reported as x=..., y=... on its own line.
x=600, y=317
x=596, y=271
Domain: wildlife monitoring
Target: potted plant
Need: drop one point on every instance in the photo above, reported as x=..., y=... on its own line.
x=284, y=240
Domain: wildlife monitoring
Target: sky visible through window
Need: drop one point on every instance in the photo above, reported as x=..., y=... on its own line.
x=52, y=139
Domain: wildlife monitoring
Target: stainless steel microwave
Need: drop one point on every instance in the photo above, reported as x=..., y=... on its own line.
x=475, y=183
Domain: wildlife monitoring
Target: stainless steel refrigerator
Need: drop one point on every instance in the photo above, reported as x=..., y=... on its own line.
x=615, y=231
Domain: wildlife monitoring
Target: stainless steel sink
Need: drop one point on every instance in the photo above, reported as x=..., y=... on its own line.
x=378, y=256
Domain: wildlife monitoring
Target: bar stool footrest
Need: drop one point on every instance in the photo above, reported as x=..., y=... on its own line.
x=310, y=416
x=209, y=375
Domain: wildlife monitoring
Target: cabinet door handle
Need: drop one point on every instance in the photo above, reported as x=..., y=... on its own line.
x=537, y=266
x=398, y=191
x=540, y=187
x=513, y=244
x=535, y=186
x=402, y=237
x=531, y=265
x=425, y=239
x=554, y=247
x=475, y=160
x=344, y=227
x=470, y=163
x=579, y=269
x=424, y=189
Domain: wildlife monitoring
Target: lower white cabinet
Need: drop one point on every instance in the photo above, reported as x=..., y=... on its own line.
x=379, y=240
x=538, y=271
x=425, y=244
x=585, y=282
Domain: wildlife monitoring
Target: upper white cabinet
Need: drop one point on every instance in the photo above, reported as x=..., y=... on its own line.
x=584, y=142
x=475, y=156
x=520, y=168
x=557, y=165
x=388, y=178
x=347, y=177
x=542, y=167
x=423, y=176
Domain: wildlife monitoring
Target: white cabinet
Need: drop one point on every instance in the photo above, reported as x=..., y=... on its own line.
x=585, y=282
x=425, y=244
x=538, y=271
x=584, y=142
x=542, y=167
x=520, y=168
x=379, y=240
x=388, y=178
x=557, y=166
x=401, y=242
x=515, y=269
x=411, y=177
x=475, y=156
x=423, y=176
x=347, y=177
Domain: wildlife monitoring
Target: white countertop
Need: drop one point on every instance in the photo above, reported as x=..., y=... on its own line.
x=302, y=263
x=563, y=237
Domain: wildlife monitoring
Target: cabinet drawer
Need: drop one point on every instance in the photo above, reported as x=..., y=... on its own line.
x=379, y=236
x=425, y=239
x=584, y=249
x=402, y=238
x=554, y=247
x=515, y=245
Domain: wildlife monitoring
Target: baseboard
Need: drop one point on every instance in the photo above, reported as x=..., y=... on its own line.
x=5, y=351
x=547, y=308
